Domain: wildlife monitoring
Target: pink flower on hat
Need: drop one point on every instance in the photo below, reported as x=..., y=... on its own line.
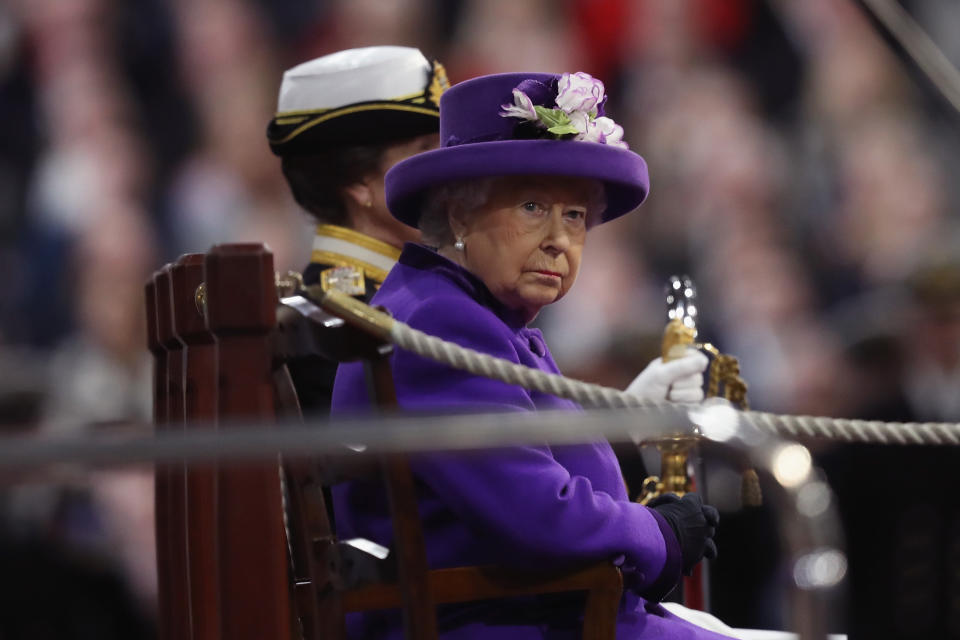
x=522, y=107
x=579, y=92
x=580, y=122
x=605, y=131
x=576, y=116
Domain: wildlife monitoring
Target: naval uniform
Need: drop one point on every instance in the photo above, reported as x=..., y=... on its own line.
x=365, y=96
x=349, y=261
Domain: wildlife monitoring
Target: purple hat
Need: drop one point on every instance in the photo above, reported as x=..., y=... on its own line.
x=523, y=124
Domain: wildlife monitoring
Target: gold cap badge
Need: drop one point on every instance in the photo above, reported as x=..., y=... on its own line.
x=438, y=83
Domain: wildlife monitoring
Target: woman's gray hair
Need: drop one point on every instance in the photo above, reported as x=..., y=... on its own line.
x=458, y=197
x=466, y=196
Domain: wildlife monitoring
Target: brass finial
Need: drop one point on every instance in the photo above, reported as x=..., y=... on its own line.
x=288, y=284
x=200, y=298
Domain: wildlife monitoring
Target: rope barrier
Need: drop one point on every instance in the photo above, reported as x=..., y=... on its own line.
x=593, y=395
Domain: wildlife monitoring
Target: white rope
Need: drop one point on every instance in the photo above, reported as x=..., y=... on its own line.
x=485, y=365
x=593, y=395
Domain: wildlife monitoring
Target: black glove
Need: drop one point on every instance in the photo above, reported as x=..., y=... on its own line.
x=694, y=524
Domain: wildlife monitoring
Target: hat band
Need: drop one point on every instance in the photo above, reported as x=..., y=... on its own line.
x=308, y=123
x=454, y=141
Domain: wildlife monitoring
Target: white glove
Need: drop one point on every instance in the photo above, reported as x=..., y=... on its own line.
x=679, y=380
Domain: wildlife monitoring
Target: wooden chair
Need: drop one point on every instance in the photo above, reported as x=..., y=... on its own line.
x=234, y=526
x=418, y=589
x=222, y=564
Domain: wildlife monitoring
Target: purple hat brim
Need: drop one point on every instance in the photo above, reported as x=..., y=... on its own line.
x=622, y=172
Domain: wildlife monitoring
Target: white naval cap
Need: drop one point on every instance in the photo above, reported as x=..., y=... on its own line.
x=354, y=75
x=357, y=96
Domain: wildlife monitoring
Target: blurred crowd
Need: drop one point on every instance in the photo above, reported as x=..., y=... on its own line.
x=799, y=167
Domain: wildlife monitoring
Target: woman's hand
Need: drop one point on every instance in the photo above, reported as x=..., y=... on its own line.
x=679, y=380
x=694, y=524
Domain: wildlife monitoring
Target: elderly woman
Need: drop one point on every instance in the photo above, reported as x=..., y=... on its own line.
x=527, y=165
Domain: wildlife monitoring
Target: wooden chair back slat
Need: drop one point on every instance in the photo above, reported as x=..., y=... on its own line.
x=603, y=602
x=311, y=540
x=200, y=404
x=253, y=570
x=309, y=531
x=419, y=611
x=468, y=584
x=160, y=487
x=159, y=353
x=170, y=479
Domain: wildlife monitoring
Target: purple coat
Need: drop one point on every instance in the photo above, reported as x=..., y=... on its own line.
x=519, y=506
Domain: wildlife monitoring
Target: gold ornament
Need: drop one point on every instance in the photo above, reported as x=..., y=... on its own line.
x=438, y=83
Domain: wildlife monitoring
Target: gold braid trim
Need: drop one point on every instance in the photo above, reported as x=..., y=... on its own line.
x=359, y=239
x=378, y=106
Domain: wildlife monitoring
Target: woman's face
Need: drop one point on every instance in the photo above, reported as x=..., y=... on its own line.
x=525, y=242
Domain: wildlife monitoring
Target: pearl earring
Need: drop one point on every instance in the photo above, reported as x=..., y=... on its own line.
x=458, y=245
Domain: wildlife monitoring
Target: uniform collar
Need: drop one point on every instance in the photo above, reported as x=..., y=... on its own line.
x=425, y=258
x=343, y=247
